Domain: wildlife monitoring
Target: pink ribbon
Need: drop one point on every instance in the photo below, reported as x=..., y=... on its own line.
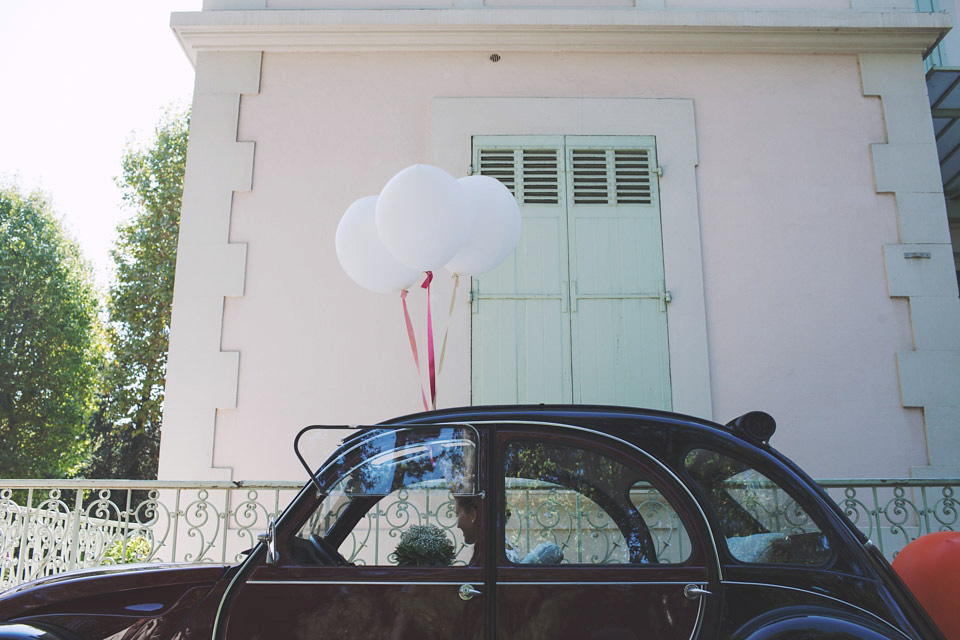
x=413, y=346
x=430, y=350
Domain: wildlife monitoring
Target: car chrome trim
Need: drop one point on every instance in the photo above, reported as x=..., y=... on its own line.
x=693, y=591
x=270, y=538
x=467, y=592
x=405, y=583
x=584, y=583
x=822, y=595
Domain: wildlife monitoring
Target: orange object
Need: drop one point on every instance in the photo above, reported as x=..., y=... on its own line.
x=930, y=566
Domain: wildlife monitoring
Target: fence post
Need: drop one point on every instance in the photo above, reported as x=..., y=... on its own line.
x=125, y=526
x=24, y=530
x=74, y=547
x=225, y=516
x=926, y=513
x=878, y=510
x=176, y=525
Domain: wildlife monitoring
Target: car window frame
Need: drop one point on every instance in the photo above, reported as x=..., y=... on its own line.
x=339, y=463
x=607, y=445
x=772, y=471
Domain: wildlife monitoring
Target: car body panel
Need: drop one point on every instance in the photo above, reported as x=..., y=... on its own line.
x=706, y=593
x=100, y=603
x=412, y=608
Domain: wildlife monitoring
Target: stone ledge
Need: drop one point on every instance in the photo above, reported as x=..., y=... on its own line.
x=600, y=30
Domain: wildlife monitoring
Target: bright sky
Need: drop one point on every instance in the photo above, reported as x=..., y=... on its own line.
x=80, y=79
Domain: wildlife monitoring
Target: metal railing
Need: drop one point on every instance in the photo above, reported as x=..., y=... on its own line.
x=892, y=512
x=51, y=526
x=47, y=526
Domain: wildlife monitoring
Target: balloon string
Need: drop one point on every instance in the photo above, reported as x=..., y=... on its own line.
x=430, y=351
x=446, y=332
x=413, y=346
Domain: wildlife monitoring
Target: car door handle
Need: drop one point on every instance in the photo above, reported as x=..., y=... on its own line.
x=467, y=592
x=692, y=591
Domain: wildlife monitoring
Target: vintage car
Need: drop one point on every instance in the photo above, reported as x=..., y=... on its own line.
x=558, y=522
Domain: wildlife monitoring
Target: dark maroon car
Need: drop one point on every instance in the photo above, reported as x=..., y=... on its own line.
x=522, y=523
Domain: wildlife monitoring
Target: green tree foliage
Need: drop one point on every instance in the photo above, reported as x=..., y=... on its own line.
x=126, y=426
x=49, y=341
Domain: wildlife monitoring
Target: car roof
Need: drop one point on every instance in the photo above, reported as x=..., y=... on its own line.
x=602, y=418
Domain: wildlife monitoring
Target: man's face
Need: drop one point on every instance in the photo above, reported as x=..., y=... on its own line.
x=467, y=523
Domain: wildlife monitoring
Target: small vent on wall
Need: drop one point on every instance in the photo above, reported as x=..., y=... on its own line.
x=532, y=175
x=611, y=176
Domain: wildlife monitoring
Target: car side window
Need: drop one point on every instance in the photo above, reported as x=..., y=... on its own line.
x=569, y=505
x=761, y=521
x=410, y=526
x=394, y=502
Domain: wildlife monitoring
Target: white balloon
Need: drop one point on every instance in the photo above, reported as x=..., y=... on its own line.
x=421, y=217
x=493, y=226
x=362, y=254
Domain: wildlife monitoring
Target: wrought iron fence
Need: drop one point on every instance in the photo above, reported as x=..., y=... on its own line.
x=892, y=512
x=48, y=527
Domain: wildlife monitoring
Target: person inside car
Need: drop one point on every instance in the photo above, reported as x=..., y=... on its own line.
x=468, y=521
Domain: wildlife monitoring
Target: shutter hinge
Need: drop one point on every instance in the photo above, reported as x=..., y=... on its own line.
x=659, y=171
x=665, y=296
x=470, y=170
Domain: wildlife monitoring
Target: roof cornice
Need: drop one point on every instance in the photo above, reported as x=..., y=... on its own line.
x=598, y=30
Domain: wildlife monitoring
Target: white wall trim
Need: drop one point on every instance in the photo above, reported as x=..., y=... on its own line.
x=671, y=121
x=547, y=29
x=919, y=268
x=200, y=377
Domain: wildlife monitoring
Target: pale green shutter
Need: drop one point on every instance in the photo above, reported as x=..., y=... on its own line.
x=619, y=329
x=577, y=313
x=521, y=333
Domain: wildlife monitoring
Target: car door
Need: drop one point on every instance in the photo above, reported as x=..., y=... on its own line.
x=598, y=541
x=380, y=555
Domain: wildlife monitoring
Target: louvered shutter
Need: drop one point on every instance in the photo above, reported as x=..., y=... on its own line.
x=612, y=176
x=521, y=330
x=619, y=349
x=577, y=313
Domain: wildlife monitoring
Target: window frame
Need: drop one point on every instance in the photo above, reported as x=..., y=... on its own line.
x=772, y=473
x=350, y=457
x=678, y=503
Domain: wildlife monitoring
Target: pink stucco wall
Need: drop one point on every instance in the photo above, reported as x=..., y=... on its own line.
x=799, y=320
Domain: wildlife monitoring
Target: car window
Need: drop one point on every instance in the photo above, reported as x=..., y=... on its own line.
x=761, y=521
x=393, y=502
x=569, y=505
x=669, y=535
